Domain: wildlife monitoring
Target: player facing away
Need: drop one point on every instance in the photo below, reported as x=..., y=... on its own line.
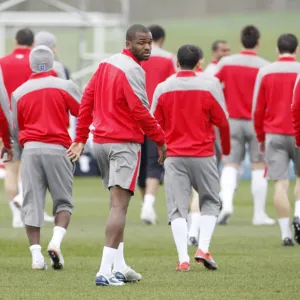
x=115, y=101
x=48, y=39
x=187, y=107
x=14, y=71
x=219, y=49
x=158, y=68
x=238, y=72
x=40, y=110
x=274, y=129
x=194, y=215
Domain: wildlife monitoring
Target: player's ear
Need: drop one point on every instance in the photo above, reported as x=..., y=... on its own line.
x=128, y=45
x=202, y=62
x=177, y=64
x=198, y=64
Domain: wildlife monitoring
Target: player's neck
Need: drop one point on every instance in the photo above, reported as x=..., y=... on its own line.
x=157, y=44
x=287, y=55
x=23, y=47
x=253, y=50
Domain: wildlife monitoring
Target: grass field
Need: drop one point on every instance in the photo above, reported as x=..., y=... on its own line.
x=252, y=262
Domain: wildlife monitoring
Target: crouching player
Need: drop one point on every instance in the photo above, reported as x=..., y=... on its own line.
x=187, y=106
x=40, y=116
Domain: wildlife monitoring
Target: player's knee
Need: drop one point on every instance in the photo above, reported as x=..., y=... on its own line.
x=281, y=186
x=258, y=165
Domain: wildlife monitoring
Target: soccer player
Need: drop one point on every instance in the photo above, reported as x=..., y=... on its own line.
x=194, y=215
x=158, y=68
x=115, y=101
x=14, y=71
x=48, y=39
x=187, y=107
x=40, y=110
x=219, y=48
x=238, y=73
x=5, y=126
x=274, y=129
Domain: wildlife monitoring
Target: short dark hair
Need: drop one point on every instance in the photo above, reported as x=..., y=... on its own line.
x=216, y=43
x=250, y=36
x=132, y=31
x=201, y=53
x=157, y=32
x=188, y=56
x=25, y=37
x=287, y=43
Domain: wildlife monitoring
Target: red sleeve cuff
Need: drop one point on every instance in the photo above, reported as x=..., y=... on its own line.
x=261, y=137
x=80, y=140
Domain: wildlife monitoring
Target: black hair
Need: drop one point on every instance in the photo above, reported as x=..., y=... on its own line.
x=134, y=29
x=157, y=32
x=250, y=36
x=216, y=43
x=25, y=37
x=287, y=43
x=188, y=56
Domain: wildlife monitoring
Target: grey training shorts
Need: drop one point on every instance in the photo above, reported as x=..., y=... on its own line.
x=183, y=173
x=241, y=133
x=119, y=164
x=45, y=166
x=280, y=149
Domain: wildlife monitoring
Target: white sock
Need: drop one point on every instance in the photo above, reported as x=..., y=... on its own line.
x=16, y=212
x=58, y=235
x=228, y=185
x=179, y=230
x=108, y=258
x=259, y=189
x=195, y=224
x=36, y=252
x=297, y=208
x=207, y=227
x=284, y=224
x=149, y=200
x=119, y=262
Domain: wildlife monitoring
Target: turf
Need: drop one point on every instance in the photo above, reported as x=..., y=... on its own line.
x=252, y=262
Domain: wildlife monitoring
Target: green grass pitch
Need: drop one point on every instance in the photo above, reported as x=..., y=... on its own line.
x=252, y=262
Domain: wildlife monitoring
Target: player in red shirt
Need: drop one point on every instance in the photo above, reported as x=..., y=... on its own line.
x=187, y=106
x=115, y=102
x=40, y=110
x=238, y=73
x=15, y=70
x=274, y=129
x=219, y=49
x=158, y=68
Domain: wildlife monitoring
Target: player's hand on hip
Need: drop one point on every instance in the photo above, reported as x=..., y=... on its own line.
x=9, y=154
x=162, y=153
x=75, y=151
x=262, y=147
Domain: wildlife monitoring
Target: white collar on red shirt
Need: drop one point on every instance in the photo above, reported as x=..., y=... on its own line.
x=130, y=54
x=214, y=61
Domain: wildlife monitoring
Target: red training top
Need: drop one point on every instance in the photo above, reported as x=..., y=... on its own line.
x=115, y=101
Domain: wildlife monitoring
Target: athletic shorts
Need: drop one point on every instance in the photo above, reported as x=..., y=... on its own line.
x=45, y=166
x=183, y=173
x=280, y=149
x=119, y=164
x=241, y=133
x=143, y=166
x=154, y=168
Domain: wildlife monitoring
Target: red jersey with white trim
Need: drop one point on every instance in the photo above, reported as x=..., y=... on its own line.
x=273, y=97
x=41, y=109
x=158, y=68
x=187, y=106
x=296, y=111
x=115, y=103
x=238, y=73
x=15, y=69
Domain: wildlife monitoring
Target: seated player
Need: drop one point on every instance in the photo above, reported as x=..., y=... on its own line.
x=40, y=110
x=274, y=129
x=187, y=107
